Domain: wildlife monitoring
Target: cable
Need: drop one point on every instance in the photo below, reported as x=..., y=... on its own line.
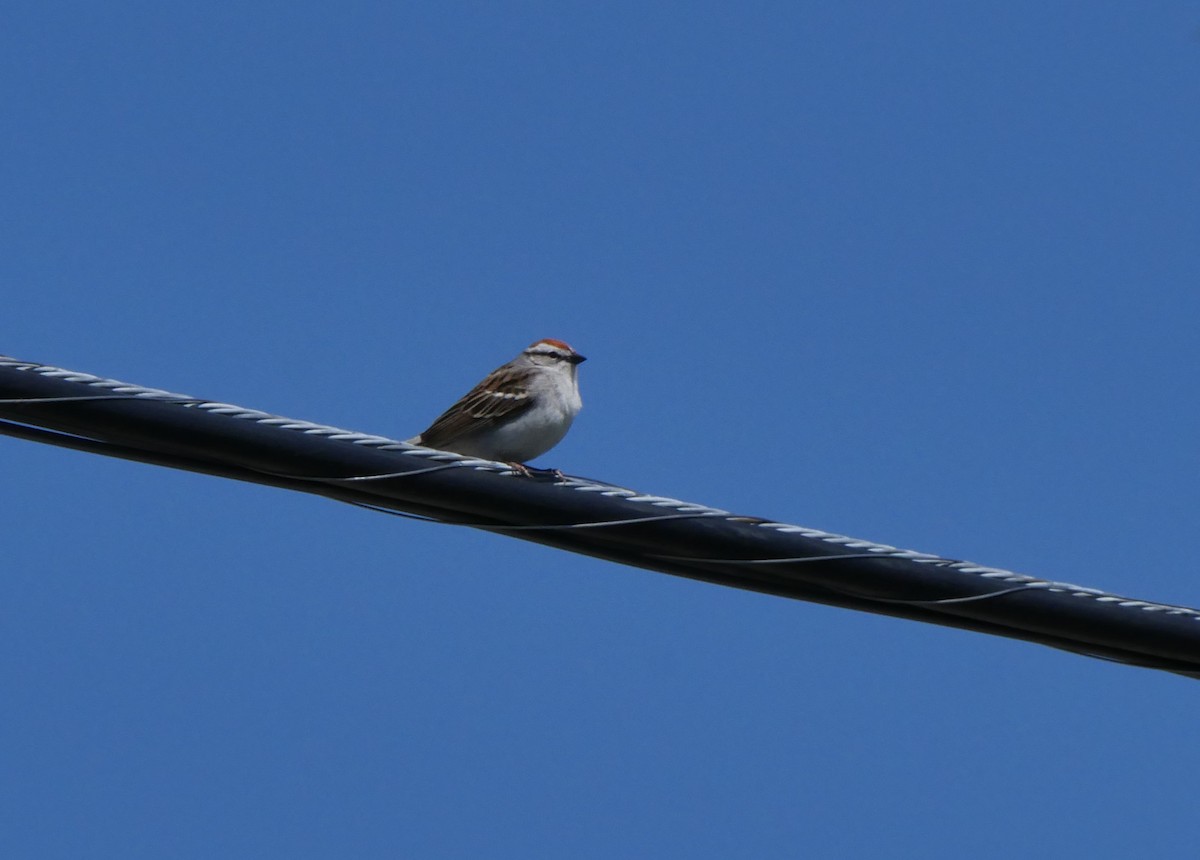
x=50, y=405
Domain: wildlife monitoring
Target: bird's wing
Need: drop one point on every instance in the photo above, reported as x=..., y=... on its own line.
x=501, y=395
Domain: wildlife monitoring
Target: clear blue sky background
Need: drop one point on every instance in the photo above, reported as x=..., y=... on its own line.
x=923, y=273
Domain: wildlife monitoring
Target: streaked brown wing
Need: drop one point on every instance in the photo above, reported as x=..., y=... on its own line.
x=500, y=395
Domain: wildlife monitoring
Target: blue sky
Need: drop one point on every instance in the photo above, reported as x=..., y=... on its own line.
x=920, y=273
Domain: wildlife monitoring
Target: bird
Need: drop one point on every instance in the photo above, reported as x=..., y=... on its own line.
x=517, y=412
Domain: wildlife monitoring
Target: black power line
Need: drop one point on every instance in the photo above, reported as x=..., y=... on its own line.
x=77, y=410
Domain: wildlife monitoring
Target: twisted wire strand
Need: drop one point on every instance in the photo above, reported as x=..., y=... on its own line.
x=438, y=461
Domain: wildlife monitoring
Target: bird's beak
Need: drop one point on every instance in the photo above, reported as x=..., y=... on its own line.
x=576, y=358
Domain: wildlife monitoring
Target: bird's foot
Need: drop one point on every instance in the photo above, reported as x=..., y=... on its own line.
x=537, y=474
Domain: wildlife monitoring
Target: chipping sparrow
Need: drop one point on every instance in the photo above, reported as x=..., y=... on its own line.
x=519, y=411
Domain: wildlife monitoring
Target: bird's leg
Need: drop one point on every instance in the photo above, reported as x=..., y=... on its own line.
x=536, y=473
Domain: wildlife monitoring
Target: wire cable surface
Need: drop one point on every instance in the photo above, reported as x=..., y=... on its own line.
x=54, y=406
